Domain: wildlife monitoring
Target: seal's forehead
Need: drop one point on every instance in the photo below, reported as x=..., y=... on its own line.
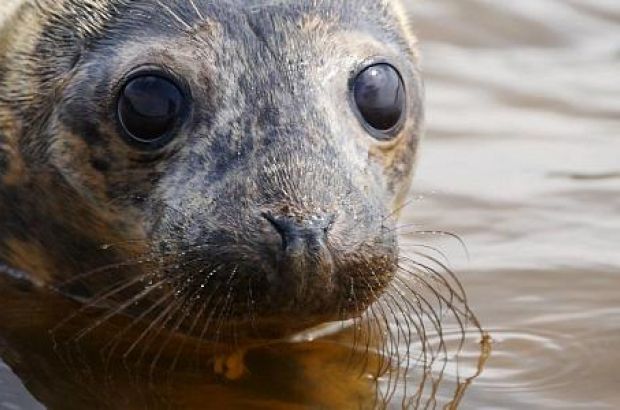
x=239, y=18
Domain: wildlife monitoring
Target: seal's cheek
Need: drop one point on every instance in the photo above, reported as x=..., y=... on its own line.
x=398, y=164
x=72, y=156
x=12, y=167
x=114, y=180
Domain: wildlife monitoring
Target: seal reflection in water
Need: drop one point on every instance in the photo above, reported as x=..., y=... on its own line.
x=204, y=173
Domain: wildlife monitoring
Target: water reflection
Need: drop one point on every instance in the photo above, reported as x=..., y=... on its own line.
x=405, y=353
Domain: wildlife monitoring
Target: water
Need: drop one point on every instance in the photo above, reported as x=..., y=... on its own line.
x=522, y=161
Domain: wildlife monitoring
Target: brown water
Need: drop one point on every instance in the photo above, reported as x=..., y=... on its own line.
x=522, y=160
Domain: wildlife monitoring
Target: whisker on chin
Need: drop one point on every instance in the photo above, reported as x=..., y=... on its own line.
x=116, y=288
x=441, y=253
x=369, y=324
x=103, y=269
x=382, y=323
x=182, y=309
x=441, y=233
x=112, y=345
x=420, y=328
x=394, y=377
x=155, y=322
x=207, y=319
x=457, y=311
x=190, y=332
x=424, y=310
x=461, y=290
x=227, y=305
x=441, y=277
x=404, y=311
x=149, y=289
x=181, y=305
x=154, y=336
x=428, y=364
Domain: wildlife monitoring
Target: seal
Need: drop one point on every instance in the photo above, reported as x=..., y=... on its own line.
x=224, y=169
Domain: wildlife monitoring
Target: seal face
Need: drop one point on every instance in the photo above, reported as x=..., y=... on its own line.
x=240, y=161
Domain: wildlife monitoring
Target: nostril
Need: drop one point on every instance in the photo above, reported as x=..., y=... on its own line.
x=277, y=223
x=313, y=230
x=304, y=251
x=329, y=222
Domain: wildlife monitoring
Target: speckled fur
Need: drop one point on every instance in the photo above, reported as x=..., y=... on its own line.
x=271, y=130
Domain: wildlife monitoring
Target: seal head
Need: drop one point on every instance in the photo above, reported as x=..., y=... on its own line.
x=240, y=161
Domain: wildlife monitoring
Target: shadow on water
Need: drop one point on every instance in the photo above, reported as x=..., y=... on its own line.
x=400, y=359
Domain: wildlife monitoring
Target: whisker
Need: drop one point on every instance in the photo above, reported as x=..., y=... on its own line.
x=227, y=304
x=198, y=13
x=118, y=287
x=458, y=312
x=436, y=276
x=162, y=327
x=384, y=364
x=428, y=365
x=117, y=310
x=451, y=235
x=162, y=315
x=399, y=358
x=208, y=319
x=112, y=345
x=183, y=313
x=440, y=252
x=421, y=312
x=446, y=269
x=174, y=15
x=421, y=333
x=189, y=333
x=102, y=269
x=186, y=306
x=398, y=209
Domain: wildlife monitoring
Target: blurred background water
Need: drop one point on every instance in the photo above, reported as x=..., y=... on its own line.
x=522, y=160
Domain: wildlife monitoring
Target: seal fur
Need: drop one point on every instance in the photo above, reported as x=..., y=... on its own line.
x=270, y=133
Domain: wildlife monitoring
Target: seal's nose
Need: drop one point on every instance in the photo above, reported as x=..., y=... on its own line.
x=304, y=254
x=301, y=235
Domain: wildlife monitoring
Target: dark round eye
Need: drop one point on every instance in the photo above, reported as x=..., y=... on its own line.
x=150, y=107
x=379, y=95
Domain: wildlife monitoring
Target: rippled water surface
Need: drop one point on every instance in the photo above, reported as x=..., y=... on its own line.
x=522, y=161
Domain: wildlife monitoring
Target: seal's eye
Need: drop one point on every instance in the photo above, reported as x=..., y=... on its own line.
x=379, y=95
x=150, y=108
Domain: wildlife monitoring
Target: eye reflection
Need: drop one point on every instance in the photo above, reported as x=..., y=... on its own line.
x=379, y=95
x=149, y=108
